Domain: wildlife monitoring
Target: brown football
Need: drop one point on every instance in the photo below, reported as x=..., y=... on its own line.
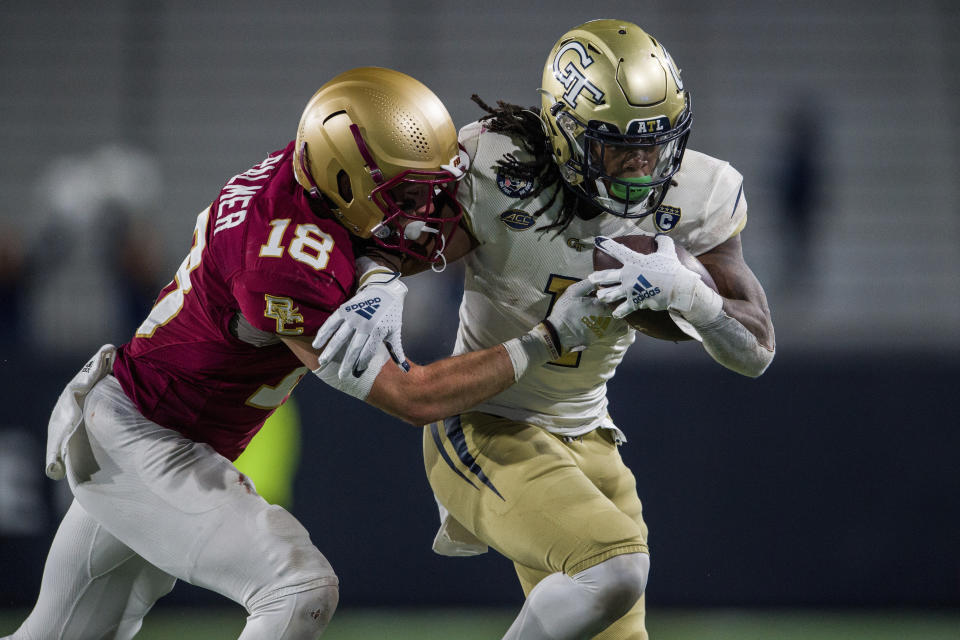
x=656, y=324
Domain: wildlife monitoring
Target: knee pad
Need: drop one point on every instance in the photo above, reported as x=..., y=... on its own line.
x=617, y=583
x=585, y=604
x=302, y=615
x=296, y=589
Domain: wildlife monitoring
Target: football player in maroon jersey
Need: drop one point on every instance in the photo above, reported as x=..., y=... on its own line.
x=146, y=433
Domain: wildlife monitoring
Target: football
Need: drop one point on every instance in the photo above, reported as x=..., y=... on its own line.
x=656, y=324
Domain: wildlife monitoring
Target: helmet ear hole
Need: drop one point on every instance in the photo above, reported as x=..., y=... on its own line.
x=343, y=186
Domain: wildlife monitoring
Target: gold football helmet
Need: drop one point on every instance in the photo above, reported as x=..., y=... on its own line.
x=382, y=149
x=617, y=116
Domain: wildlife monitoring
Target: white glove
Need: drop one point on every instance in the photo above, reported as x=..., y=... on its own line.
x=373, y=315
x=656, y=281
x=578, y=318
x=345, y=380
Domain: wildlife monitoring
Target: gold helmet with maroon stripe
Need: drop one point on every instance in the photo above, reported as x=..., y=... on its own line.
x=379, y=149
x=610, y=89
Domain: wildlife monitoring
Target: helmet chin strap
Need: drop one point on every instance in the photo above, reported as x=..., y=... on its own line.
x=442, y=259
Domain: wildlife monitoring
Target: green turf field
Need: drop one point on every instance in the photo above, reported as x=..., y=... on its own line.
x=166, y=624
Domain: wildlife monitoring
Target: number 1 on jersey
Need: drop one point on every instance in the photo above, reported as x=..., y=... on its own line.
x=556, y=285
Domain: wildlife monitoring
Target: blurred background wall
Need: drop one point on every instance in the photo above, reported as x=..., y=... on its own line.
x=831, y=480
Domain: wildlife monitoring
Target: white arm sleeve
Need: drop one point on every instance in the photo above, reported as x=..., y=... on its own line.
x=729, y=343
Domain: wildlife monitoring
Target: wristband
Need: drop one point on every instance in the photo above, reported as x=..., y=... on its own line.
x=531, y=349
x=367, y=267
x=707, y=304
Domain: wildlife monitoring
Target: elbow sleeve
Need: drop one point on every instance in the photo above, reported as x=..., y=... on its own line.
x=732, y=345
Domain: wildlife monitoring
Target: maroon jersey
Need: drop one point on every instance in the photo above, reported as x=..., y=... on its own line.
x=208, y=361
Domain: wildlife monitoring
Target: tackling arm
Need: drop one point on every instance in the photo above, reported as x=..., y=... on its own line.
x=443, y=388
x=426, y=393
x=423, y=394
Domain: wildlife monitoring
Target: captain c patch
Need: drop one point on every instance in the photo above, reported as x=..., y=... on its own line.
x=666, y=217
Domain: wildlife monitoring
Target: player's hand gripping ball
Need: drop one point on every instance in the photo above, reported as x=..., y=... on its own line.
x=656, y=324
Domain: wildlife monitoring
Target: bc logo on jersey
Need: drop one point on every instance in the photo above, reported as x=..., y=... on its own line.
x=282, y=310
x=666, y=217
x=514, y=187
x=517, y=219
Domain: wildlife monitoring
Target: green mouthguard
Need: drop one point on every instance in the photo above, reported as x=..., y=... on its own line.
x=631, y=194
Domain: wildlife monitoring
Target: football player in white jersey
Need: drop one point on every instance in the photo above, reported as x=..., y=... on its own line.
x=534, y=472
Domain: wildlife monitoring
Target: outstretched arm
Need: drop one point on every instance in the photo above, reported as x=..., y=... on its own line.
x=442, y=388
x=423, y=394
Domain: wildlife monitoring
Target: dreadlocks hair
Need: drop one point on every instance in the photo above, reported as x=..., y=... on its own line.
x=523, y=124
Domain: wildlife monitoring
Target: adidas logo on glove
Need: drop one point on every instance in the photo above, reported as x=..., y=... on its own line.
x=644, y=289
x=366, y=308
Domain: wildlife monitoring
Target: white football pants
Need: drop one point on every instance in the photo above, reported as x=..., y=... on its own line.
x=151, y=506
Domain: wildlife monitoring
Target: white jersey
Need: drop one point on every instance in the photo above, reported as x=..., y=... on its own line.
x=515, y=274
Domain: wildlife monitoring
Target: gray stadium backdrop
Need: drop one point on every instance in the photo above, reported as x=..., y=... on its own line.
x=829, y=481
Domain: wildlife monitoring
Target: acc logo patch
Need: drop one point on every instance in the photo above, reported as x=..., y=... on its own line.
x=666, y=217
x=577, y=244
x=514, y=187
x=517, y=219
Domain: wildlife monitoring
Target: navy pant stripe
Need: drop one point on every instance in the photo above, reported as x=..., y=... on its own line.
x=459, y=441
x=443, y=453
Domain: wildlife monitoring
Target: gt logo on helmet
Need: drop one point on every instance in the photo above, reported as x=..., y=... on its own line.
x=572, y=78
